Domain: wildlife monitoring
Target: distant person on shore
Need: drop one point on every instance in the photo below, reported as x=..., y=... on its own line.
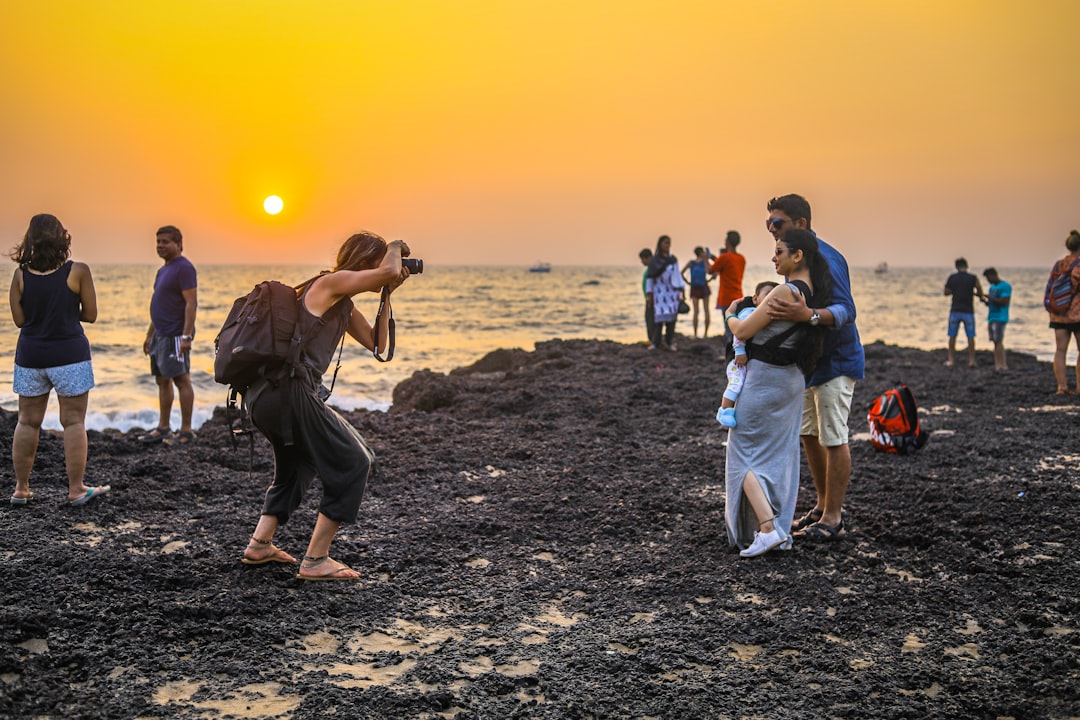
x=736, y=369
x=1066, y=325
x=323, y=443
x=646, y=256
x=763, y=448
x=998, y=297
x=51, y=296
x=729, y=266
x=962, y=285
x=829, y=390
x=699, y=285
x=169, y=337
x=664, y=289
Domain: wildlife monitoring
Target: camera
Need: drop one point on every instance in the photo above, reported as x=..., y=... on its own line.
x=415, y=265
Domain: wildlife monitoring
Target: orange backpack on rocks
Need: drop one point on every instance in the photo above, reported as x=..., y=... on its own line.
x=894, y=422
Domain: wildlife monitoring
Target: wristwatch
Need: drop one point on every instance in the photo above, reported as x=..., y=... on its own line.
x=815, y=318
x=192, y=337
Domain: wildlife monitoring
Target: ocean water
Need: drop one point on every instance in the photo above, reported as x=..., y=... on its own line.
x=449, y=317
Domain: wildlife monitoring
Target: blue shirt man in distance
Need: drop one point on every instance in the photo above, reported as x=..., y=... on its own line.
x=998, y=297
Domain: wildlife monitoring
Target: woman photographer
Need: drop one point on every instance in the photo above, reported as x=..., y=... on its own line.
x=322, y=442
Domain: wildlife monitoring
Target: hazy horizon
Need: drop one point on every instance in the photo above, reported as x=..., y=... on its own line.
x=492, y=132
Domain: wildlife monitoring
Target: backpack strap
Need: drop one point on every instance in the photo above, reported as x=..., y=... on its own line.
x=384, y=307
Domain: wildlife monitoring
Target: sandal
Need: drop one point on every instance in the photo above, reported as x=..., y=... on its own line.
x=183, y=437
x=156, y=435
x=277, y=556
x=313, y=562
x=819, y=531
x=25, y=500
x=807, y=520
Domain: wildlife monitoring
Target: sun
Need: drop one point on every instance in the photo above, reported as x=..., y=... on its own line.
x=273, y=204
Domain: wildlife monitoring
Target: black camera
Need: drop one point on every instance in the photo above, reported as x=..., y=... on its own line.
x=415, y=265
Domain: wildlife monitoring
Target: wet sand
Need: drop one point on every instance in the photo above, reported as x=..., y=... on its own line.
x=544, y=539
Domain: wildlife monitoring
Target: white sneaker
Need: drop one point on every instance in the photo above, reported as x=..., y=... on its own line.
x=764, y=542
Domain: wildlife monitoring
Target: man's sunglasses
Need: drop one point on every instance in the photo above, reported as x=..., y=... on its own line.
x=774, y=224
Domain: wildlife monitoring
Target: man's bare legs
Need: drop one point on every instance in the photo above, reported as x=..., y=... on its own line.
x=830, y=469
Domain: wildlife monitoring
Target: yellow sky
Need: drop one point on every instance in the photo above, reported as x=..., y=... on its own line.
x=486, y=131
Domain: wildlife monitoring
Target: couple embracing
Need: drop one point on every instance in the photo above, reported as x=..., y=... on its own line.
x=805, y=356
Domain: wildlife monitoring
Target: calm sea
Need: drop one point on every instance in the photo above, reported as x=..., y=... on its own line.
x=449, y=317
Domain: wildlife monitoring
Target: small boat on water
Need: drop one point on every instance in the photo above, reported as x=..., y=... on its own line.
x=882, y=268
x=541, y=267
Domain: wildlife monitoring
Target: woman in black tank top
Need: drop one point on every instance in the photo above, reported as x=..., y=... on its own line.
x=314, y=439
x=50, y=297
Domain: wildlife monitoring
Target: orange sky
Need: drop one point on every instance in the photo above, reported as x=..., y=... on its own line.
x=510, y=131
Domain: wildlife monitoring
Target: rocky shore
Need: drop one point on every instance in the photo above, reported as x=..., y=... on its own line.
x=544, y=539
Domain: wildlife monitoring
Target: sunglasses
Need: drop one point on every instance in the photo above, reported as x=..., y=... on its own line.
x=774, y=224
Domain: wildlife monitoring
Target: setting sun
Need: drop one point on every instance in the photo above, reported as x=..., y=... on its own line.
x=273, y=204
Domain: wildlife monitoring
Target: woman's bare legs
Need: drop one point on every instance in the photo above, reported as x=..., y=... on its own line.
x=24, y=443
x=261, y=545
x=73, y=418
x=762, y=508
x=1061, y=348
x=317, y=561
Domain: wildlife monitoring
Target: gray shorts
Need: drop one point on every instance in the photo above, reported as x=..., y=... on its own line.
x=69, y=380
x=166, y=360
x=997, y=331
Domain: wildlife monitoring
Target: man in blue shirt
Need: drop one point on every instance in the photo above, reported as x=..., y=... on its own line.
x=829, y=390
x=169, y=337
x=998, y=296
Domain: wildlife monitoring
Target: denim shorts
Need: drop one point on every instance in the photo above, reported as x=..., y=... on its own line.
x=69, y=380
x=955, y=318
x=997, y=331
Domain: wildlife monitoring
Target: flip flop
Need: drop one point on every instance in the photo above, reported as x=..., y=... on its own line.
x=22, y=500
x=278, y=556
x=155, y=436
x=180, y=438
x=332, y=576
x=90, y=495
x=336, y=575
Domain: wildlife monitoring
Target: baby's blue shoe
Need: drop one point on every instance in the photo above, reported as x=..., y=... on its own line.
x=726, y=417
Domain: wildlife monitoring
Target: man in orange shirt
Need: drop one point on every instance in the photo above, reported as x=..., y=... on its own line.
x=729, y=265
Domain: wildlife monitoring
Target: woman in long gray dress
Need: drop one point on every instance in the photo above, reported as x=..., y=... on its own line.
x=763, y=450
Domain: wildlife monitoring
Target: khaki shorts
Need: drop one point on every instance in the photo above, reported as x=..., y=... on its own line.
x=825, y=411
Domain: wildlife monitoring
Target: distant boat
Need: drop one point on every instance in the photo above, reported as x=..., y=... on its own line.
x=541, y=267
x=882, y=268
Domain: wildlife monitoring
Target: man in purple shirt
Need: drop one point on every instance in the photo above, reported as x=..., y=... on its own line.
x=169, y=337
x=829, y=390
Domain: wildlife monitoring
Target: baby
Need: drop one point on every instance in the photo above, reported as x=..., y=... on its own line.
x=736, y=369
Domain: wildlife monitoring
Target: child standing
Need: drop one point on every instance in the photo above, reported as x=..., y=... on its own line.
x=736, y=369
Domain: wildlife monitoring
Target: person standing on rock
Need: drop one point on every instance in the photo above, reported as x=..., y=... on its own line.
x=50, y=297
x=962, y=286
x=998, y=297
x=169, y=337
x=762, y=459
x=308, y=437
x=646, y=256
x=664, y=289
x=830, y=388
